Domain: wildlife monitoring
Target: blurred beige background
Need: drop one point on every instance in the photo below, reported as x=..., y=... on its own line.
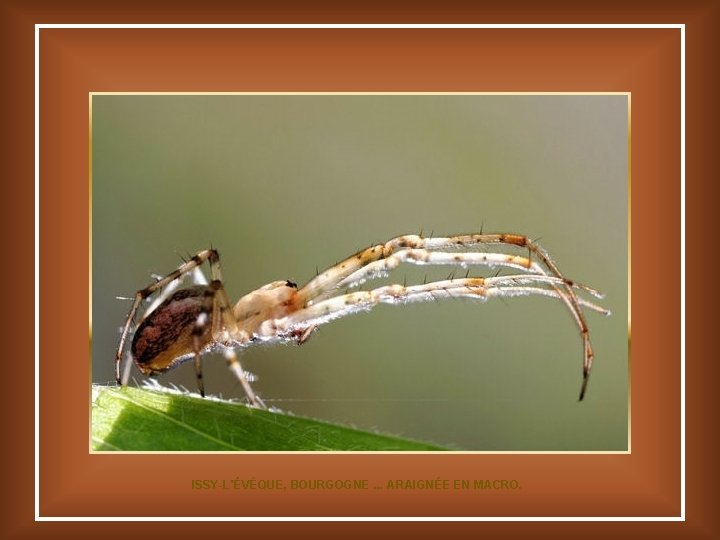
x=281, y=185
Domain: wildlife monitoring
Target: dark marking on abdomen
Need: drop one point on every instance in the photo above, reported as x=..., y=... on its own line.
x=167, y=333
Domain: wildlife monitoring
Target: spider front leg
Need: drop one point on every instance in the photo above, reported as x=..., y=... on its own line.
x=380, y=259
x=360, y=301
x=476, y=287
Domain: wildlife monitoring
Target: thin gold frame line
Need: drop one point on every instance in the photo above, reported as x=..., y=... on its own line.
x=500, y=452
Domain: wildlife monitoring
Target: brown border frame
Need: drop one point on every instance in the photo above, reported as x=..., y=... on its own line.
x=423, y=53
x=658, y=212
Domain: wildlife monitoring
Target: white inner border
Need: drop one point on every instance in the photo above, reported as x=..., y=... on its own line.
x=38, y=517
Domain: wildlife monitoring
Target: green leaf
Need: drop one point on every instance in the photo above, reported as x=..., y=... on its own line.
x=132, y=419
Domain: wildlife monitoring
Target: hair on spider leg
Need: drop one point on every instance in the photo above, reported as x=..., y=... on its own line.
x=534, y=241
x=187, y=257
x=448, y=292
x=504, y=302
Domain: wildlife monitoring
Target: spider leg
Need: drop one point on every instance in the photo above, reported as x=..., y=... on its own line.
x=222, y=303
x=200, y=331
x=226, y=329
x=197, y=349
x=333, y=277
x=235, y=366
x=351, y=270
x=383, y=267
x=478, y=288
x=165, y=293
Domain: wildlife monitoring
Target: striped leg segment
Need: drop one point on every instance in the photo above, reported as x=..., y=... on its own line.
x=462, y=250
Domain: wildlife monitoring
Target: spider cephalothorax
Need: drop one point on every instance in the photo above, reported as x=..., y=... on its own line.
x=184, y=324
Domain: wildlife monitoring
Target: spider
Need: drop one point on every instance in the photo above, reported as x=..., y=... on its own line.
x=184, y=323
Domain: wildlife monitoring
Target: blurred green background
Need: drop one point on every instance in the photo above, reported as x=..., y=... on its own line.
x=283, y=184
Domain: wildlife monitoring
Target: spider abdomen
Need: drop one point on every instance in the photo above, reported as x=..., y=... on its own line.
x=174, y=331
